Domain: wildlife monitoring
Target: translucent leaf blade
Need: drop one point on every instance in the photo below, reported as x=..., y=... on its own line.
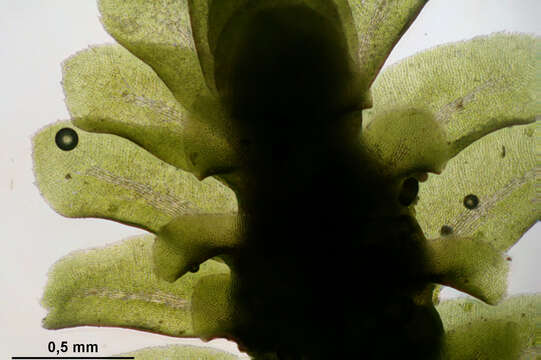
x=180, y=352
x=472, y=87
x=407, y=141
x=469, y=264
x=475, y=330
x=160, y=34
x=109, y=177
x=379, y=25
x=109, y=90
x=115, y=286
x=487, y=190
x=189, y=240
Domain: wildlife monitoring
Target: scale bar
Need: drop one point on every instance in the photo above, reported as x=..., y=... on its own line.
x=70, y=357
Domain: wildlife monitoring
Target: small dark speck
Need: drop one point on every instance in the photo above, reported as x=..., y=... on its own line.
x=523, y=315
x=509, y=258
x=502, y=153
x=67, y=177
x=446, y=230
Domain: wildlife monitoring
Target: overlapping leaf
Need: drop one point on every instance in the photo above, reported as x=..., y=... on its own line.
x=109, y=177
x=472, y=87
x=189, y=240
x=474, y=330
x=106, y=85
x=402, y=150
x=115, y=286
x=380, y=24
x=109, y=90
x=159, y=33
x=469, y=264
x=498, y=172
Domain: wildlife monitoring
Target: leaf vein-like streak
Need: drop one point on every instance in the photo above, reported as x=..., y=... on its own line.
x=169, y=113
x=170, y=205
x=464, y=223
x=444, y=114
x=157, y=297
x=166, y=16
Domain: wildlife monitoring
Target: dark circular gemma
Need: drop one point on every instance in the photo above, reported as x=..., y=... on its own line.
x=66, y=139
x=409, y=191
x=446, y=230
x=471, y=201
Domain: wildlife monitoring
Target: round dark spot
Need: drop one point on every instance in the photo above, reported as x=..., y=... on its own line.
x=471, y=201
x=66, y=139
x=409, y=191
x=194, y=268
x=502, y=152
x=509, y=258
x=446, y=230
x=67, y=177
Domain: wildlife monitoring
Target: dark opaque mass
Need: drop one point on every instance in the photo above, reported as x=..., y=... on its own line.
x=66, y=139
x=330, y=260
x=471, y=201
x=410, y=189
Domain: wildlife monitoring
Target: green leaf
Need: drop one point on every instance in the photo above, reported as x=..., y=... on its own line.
x=470, y=265
x=180, y=352
x=380, y=24
x=407, y=141
x=477, y=331
x=109, y=90
x=115, y=286
x=213, y=309
x=159, y=33
x=472, y=88
x=189, y=240
x=106, y=176
x=199, y=12
x=497, y=175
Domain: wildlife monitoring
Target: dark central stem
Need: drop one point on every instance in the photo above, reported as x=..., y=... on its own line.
x=331, y=259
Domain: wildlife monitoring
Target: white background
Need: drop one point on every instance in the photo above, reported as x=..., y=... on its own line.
x=35, y=36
